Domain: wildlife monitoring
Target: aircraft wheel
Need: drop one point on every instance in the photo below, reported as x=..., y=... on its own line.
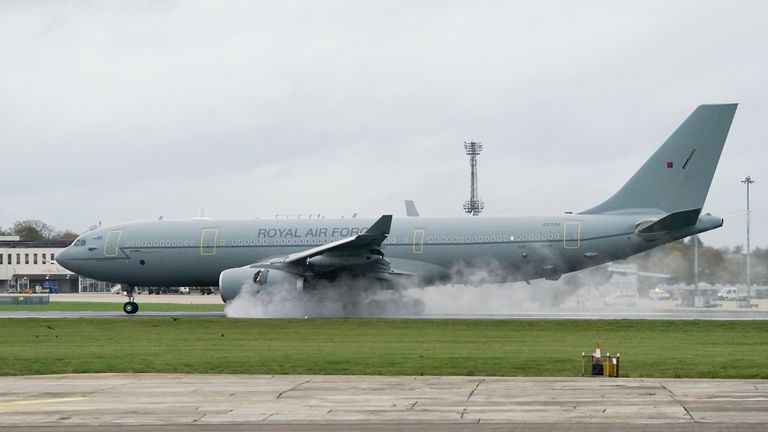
x=130, y=307
x=376, y=307
x=350, y=308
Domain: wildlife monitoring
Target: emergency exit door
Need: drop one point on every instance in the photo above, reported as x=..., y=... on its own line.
x=572, y=235
x=208, y=242
x=418, y=241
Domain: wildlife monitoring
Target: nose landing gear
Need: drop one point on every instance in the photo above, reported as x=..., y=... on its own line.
x=130, y=307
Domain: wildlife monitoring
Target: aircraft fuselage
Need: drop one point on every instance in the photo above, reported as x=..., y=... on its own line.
x=195, y=252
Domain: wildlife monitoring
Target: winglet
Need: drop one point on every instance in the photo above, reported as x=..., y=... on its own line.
x=381, y=226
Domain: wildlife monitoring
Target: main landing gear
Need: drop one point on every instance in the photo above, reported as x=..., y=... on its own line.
x=130, y=307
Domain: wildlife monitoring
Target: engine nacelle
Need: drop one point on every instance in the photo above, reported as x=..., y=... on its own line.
x=234, y=280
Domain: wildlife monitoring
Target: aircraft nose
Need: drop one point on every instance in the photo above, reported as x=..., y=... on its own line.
x=64, y=258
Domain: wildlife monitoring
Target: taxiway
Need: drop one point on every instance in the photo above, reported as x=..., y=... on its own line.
x=218, y=402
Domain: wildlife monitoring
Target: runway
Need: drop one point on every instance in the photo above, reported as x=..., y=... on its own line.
x=301, y=403
x=646, y=310
x=683, y=314
x=116, y=314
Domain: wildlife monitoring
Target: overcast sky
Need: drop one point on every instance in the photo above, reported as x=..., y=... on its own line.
x=124, y=111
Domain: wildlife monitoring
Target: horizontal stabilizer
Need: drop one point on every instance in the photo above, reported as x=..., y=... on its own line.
x=672, y=221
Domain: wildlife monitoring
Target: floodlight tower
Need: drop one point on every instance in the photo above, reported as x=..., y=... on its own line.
x=474, y=206
x=748, y=181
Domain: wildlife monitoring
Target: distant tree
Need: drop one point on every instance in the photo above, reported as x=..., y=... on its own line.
x=760, y=266
x=32, y=230
x=711, y=264
x=734, y=268
x=671, y=259
x=726, y=265
x=65, y=235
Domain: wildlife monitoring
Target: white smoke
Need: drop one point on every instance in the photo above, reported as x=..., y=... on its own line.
x=254, y=303
x=490, y=299
x=472, y=291
x=341, y=298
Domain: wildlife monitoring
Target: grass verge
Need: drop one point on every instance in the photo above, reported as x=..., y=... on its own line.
x=695, y=349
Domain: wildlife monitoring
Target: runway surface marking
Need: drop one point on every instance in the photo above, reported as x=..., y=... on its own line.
x=12, y=404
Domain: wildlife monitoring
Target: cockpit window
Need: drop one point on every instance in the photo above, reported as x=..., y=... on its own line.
x=79, y=242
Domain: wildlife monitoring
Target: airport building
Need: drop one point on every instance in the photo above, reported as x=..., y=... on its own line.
x=30, y=266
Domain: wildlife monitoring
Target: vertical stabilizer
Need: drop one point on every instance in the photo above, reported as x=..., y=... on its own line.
x=677, y=177
x=410, y=209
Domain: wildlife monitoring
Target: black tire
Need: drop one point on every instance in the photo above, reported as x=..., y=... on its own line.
x=375, y=307
x=130, y=307
x=350, y=308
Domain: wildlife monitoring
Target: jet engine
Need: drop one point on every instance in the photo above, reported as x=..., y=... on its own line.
x=232, y=281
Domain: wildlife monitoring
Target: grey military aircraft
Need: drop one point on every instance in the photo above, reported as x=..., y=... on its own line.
x=661, y=202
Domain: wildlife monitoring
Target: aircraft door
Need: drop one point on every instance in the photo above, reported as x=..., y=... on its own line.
x=418, y=241
x=111, y=243
x=208, y=242
x=572, y=235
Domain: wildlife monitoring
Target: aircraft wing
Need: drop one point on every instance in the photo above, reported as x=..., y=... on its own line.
x=360, y=254
x=625, y=271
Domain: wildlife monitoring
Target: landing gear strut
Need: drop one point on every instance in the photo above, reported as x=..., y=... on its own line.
x=130, y=307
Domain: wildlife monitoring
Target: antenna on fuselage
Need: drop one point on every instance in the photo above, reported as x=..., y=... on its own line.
x=201, y=215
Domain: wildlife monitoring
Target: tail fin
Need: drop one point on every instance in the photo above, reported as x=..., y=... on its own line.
x=677, y=177
x=410, y=209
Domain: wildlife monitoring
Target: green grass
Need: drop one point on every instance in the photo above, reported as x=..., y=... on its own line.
x=111, y=307
x=701, y=349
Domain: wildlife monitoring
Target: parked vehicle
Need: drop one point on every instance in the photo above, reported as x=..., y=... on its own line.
x=659, y=294
x=167, y=290
x=157, y=290
x=730, y=294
